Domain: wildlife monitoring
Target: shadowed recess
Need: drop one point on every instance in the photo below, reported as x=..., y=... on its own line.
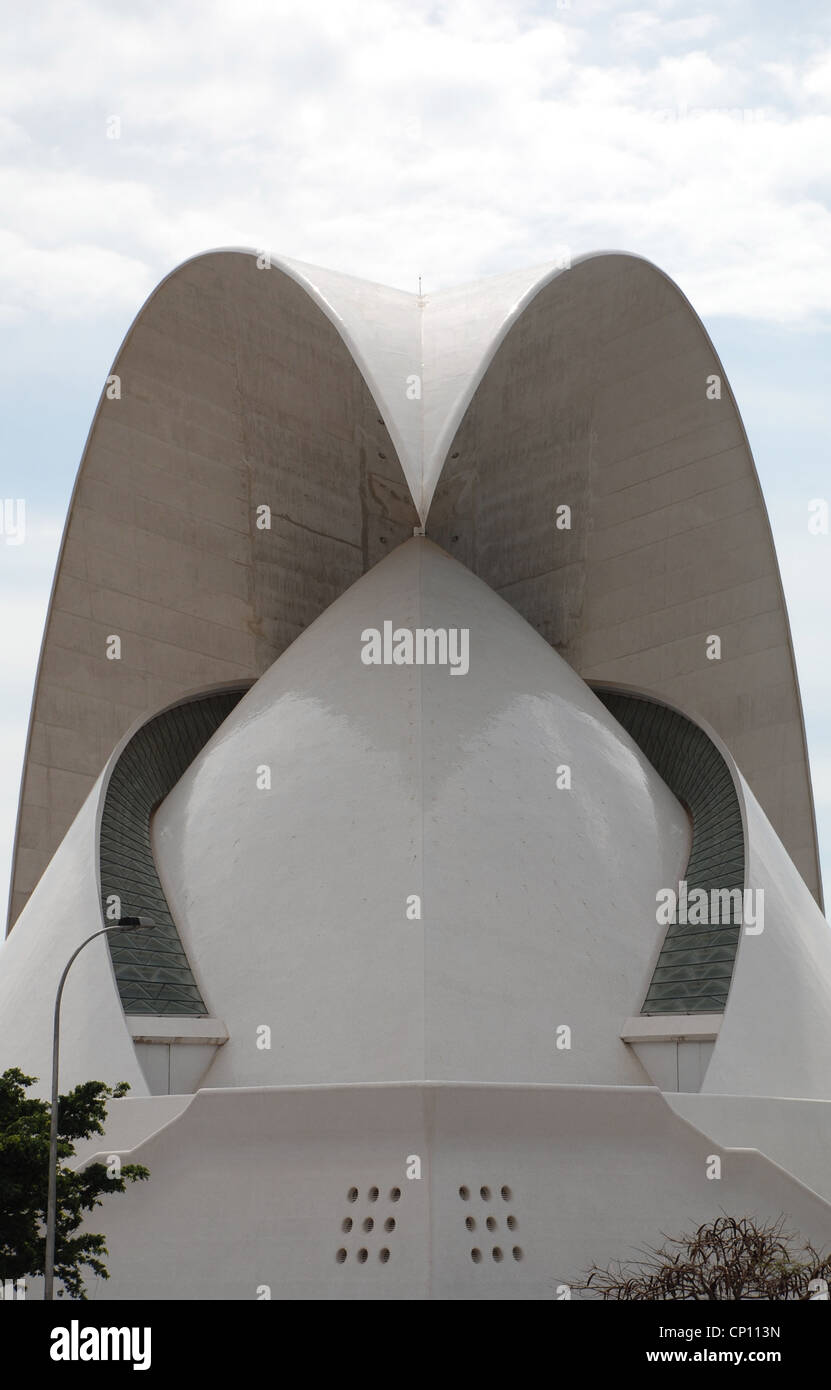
x=695, y=966
x=151, y=967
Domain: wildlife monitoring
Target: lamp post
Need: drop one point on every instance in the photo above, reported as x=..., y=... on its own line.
x=123, y=924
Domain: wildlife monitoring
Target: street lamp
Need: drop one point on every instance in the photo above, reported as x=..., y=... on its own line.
x=123, y=924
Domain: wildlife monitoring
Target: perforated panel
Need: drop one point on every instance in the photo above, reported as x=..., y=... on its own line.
x=151, y=967
x=695, y=966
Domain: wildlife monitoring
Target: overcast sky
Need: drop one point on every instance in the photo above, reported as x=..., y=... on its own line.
x=394, y=140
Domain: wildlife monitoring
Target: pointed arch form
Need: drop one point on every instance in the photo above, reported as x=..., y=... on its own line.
x=237, y=388
x=601, y=481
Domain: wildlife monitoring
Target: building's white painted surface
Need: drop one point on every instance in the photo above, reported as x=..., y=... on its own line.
x=390, y=781
x=252, y=1188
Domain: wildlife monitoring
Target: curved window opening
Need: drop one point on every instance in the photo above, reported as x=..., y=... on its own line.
x=151, y=967
x=695, y=966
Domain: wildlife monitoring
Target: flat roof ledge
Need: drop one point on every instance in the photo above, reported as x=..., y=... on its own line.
x=177, y=1029
x=672, y=1028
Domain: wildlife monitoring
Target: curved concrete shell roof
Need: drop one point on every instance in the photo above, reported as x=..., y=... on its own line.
x=355, y=412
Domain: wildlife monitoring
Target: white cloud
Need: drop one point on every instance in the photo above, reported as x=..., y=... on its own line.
x=645, y=28
x=356, y=133
x=68, y=280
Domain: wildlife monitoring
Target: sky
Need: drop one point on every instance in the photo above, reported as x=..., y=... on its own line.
x=397, y=140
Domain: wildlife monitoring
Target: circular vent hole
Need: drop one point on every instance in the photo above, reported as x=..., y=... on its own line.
x=395, y=1194
x=341, y=1256
x=347, y=1224
x=362, y=1256
x=517, y=1252
x=368, y=1224
x=507, y=1194
x=389, y=1224
x=491, y=1223
x=485, y=1194
x=476, y=1256
x=352, y=1194
x=497, y=1253
x=383, y=1255
x=464, y=1193
x=373, y=1194
x=511, y=1223
x=470, y=1223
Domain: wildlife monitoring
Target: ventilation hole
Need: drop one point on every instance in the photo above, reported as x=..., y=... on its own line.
x=352, y=1194
x=341, y=1256
x=389, y=1224
x=362, y=1256
x=373, y=1194
x=497, y=1253
x=369, y=1224
x=506, y=1194
x=476, y=1256
x=491, y=1223
x=517, y=1252
x=485, y=1194
x=470, y=1223
x=395, y=1194
x=383, y=1255
x=464, y=1193
x=347, y=1224
x=511, y=1223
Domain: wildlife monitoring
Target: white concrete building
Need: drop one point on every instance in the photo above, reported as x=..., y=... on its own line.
x=411, y=1023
